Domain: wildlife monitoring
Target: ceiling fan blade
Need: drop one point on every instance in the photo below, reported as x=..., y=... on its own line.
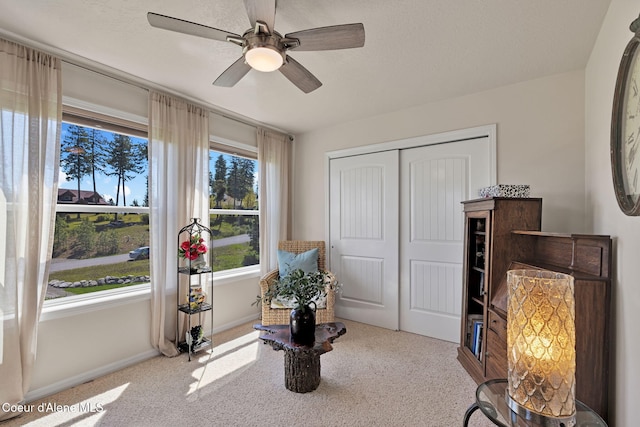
x=233, y=74
x=299, y=76
x=186, y=27
x=261, y=10
x=345, y=36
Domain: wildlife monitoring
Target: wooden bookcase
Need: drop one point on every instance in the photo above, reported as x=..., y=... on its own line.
x=489, y=247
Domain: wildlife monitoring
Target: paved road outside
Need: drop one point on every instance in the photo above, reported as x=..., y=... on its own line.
x=60, y=264
x=233, y=240
x=70, y=264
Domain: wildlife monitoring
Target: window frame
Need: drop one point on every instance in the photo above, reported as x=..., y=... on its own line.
x=237, y=149
x=118, y=122
x=76, y=304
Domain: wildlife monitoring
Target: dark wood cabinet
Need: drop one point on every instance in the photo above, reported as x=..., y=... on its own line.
x=513, y=241
x=496, y=353
x=489, y=247
x=588, y=259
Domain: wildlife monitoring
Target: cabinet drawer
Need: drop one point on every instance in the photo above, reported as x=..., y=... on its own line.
x=498, y=325
x=496, y=356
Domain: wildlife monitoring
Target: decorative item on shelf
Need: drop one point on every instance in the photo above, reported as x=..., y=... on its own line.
x=302, y=290
x=196, y=297
x=503, y=190
x=541, y=346
x=199, y=263
x=195, y=336
x=193, y=250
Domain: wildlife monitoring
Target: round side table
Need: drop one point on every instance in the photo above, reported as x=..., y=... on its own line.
x=490, y=399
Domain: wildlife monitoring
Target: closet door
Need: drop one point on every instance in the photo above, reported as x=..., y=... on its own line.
x=434, y=180
x=364, y=236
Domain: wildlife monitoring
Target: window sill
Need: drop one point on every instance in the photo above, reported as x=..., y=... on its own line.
x=235, y=275
x=78, y=304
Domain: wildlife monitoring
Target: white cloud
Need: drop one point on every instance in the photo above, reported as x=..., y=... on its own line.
x=127, y=192
x=62, y=178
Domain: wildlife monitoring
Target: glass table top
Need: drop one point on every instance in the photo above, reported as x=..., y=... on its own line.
x=490, y=398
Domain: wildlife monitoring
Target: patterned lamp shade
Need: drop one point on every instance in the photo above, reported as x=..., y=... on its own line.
x=541, y=346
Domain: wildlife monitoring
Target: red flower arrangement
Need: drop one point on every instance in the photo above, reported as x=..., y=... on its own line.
x=193, y=248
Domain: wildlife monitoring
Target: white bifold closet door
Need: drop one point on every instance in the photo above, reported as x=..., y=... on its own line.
x=434, y=180
x=396, y=231
x=364, y=236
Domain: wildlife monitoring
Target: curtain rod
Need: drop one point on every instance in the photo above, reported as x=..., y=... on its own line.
x=124, y=77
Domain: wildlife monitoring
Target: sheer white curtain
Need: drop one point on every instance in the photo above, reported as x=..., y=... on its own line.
x=274, y=157
x=178, y=191
x=30, y=117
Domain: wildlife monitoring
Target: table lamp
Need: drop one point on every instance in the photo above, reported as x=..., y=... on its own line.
x=541, y=347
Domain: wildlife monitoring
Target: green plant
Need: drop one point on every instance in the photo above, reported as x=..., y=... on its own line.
x=297, y=286
x=107, y=243
x=86, y=236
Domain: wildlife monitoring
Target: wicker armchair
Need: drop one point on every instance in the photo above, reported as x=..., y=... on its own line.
x=280, y=316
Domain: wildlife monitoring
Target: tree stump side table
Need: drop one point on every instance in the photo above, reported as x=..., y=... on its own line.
x=301, y=362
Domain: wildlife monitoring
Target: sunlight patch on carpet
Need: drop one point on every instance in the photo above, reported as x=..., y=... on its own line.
x=88, y=411
x=224, y=360
x=232, y=345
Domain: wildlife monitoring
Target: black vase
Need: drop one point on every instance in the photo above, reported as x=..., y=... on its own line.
x=302, y=324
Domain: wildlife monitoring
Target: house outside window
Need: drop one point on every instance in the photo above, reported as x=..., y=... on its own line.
x=101, y=238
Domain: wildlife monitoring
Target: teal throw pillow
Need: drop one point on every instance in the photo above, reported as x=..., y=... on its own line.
x=305, y=261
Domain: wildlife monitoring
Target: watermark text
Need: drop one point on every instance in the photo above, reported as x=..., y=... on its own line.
x=51, y=407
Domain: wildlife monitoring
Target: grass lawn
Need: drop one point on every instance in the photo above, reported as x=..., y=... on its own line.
x=129, y=268
x=89, y=289
x=226, y=257
x=231, y=256
x=133, y=268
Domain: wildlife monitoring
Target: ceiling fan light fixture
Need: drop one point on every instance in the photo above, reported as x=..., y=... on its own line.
x=264, y=58
x=263, y=48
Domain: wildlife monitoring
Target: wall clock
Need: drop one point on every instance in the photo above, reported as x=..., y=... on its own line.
x=625, y=127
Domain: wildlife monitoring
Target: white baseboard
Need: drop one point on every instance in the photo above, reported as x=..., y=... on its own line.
x=88, y=376
x=235, y=323
x=67, y=383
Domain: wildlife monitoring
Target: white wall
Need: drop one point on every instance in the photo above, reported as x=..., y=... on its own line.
x=71, y=348
x=604, y=215
x=540, y=142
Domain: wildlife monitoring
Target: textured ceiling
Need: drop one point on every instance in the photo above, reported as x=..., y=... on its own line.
x=416, y=51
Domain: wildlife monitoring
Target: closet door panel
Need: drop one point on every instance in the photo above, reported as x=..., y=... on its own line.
x=364, y=237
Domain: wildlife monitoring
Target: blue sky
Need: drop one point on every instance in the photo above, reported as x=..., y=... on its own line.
x=106, y=185
x=135, y=189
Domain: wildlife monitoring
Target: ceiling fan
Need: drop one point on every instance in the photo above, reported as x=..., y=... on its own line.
x=263, y=48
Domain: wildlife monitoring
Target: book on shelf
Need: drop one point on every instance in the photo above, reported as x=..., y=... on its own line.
x=479, y=346
x=471, y=318
x=477, y=338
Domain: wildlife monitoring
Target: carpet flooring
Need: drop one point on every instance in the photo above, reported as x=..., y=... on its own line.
x=373, y=377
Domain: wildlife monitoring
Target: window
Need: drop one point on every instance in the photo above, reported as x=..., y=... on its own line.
x=101, y=238
x=234, y=220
